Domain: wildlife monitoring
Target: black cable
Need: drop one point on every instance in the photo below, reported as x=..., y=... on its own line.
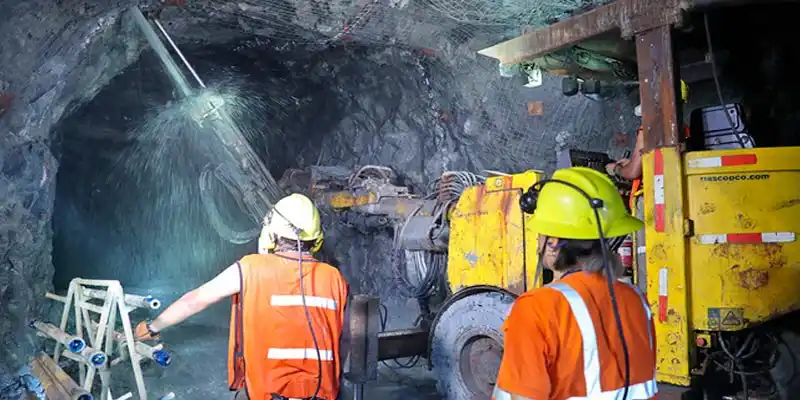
x=717, y=84
x=595, y=204
x=297, y=232
x=736, y=360
x=308, y=315
x=610, y=281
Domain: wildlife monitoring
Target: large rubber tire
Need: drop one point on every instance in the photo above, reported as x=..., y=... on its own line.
x=786, y=372
x=467, y=345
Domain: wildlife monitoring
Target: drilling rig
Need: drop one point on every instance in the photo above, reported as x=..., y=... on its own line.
x=717, y=258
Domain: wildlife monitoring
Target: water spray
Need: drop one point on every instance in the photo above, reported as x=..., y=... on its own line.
x=246, y=177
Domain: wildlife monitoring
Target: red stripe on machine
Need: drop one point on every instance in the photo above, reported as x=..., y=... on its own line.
x=663, y=294
x=723, y=161
x=658, y=190
x=747, y=238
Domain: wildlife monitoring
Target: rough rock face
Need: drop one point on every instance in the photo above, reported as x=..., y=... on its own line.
x=419, y=112
x=49, y=70
x=351, y=106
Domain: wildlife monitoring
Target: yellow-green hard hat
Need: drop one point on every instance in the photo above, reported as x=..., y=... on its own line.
x=563, y=212
x=301, y=212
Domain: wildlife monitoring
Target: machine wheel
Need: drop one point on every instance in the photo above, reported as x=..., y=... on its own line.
x=467, y=345
x=786, y=372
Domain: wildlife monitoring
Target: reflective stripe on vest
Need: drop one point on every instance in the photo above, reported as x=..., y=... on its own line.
x=500, y=394
x=591, y=359
x=299, y=354
x=297, y=300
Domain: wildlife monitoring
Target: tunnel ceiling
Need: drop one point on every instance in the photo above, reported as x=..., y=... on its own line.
x=401, y=79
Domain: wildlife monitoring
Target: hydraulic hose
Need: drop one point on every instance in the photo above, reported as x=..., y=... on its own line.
x=305, y=310
x=212, y=211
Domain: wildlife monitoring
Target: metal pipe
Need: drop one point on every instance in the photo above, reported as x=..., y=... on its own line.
x=160, y=357
x=131, y=300
x=57, y=384
x=94, y=357
x=55, y=297
x=161, y=51
x=358, y=391
x=403, y=343
x=180, y=54
x=73, y=343
x=154, y=353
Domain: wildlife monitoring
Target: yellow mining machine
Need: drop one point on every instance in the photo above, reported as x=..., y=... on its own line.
x=719, y=257
x=470, y=234
x=720, y=261
x=720, y=274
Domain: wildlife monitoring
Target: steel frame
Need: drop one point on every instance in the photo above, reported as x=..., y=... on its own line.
x=650, y=23
x=628, y=16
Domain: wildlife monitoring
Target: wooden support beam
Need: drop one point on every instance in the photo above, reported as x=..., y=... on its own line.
x=658, y=88
x=628, y=16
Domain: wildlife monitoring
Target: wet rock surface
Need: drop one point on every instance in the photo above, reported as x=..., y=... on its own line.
x=49, y=71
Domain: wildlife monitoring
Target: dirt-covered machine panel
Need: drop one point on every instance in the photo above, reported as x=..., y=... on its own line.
x=744, y=206
x=492, y=242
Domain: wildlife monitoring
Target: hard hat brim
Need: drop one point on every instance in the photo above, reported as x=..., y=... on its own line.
x=625, y=226
x=621, y=227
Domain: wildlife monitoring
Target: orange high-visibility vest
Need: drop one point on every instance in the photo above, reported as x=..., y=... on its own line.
x=271, y=349
x=562, y=342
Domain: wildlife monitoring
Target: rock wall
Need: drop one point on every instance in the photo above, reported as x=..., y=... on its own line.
x=349, y=106
x=54, y=58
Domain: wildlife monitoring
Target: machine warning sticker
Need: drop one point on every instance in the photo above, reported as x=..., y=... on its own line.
x=734, y=178
x=725, y=318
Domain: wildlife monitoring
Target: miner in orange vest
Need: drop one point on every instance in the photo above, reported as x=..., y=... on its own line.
x=631, y=169
x=273, y=353
x=561, y=340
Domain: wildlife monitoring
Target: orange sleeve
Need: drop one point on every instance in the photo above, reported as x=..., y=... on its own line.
x=524, y=370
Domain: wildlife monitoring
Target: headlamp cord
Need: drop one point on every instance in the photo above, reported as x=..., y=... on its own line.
x=596, y=204
x=297, y=232
x=308, y=317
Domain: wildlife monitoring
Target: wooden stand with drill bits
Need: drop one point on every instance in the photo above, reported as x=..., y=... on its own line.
x=101, y=334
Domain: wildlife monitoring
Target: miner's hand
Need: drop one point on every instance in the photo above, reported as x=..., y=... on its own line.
x=143, y=333
x=614, y=167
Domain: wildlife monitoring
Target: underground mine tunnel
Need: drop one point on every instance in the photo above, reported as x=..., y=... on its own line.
x=116, y=168
x=138, y=193
x=132, y=202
